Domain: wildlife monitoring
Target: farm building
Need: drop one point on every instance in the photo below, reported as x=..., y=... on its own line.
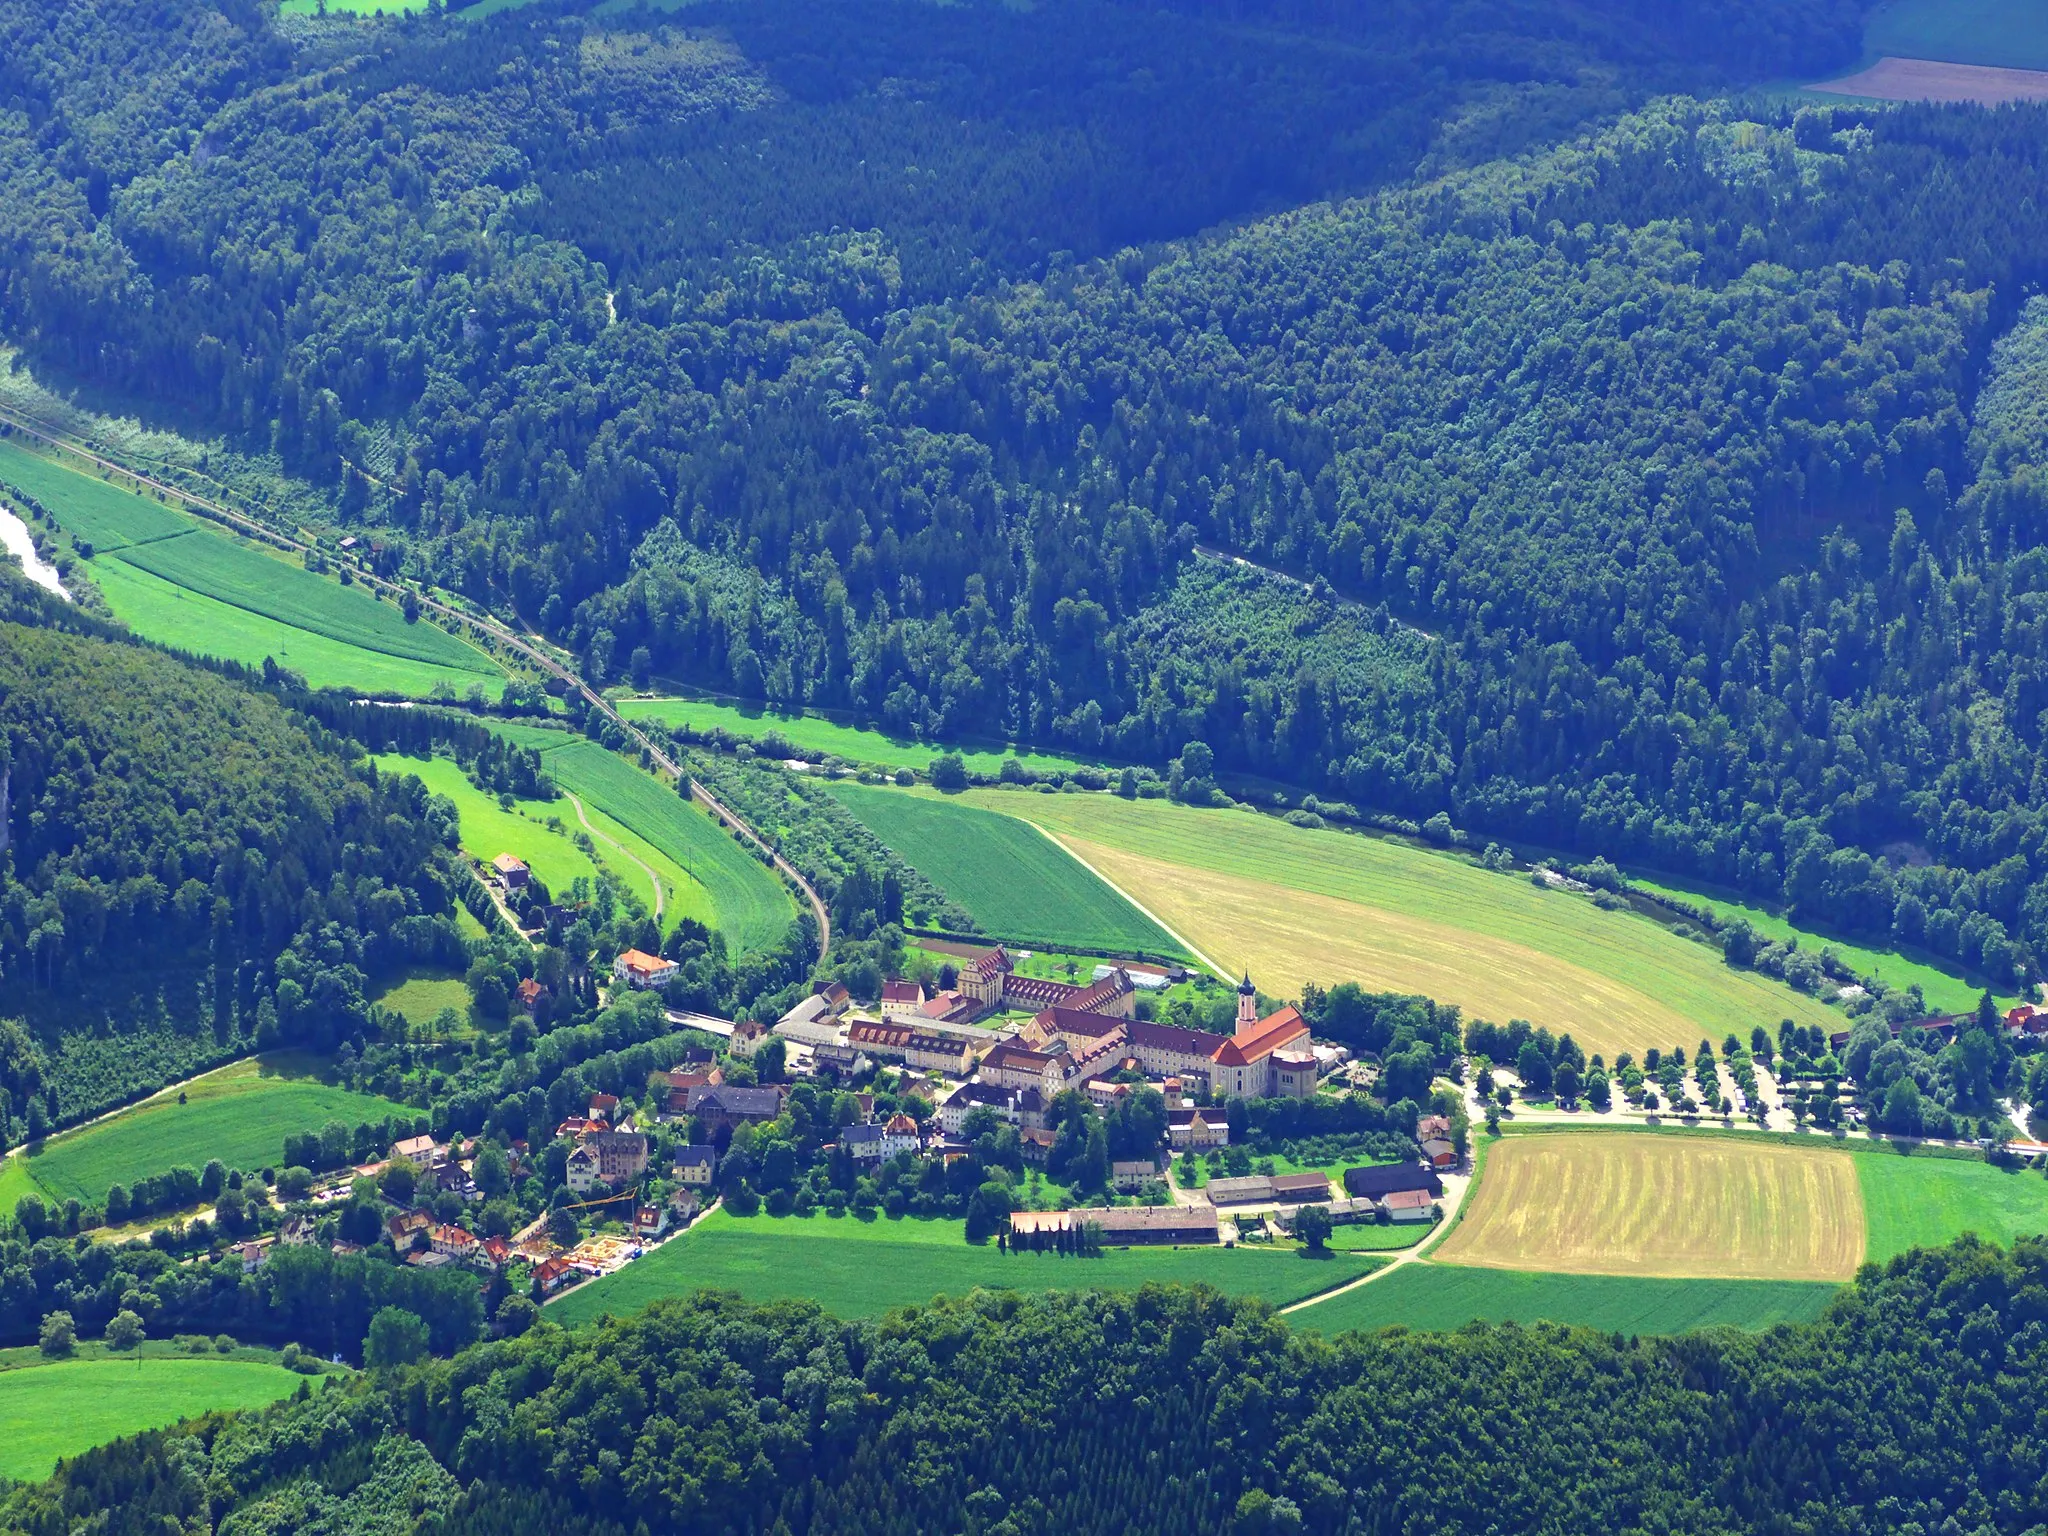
x=1124, y=1226
x=1252, y=1189
x=1439, y=1153
x=1408, y=1205
x=1128, y=1175
x=1379, y=1180
x=1301, y=1188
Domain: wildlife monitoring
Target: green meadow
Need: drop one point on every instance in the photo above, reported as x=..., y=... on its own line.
x=423, y=992
x=815, y=733
x=1922, y=1202
x=1945, y=990
x=727, y=887
x=1018, y=884
x=240, y=1114
x=51, y=1410
x=856, y=1268
x=1444, y=1296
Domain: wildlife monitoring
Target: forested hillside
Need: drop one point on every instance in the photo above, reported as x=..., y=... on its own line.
x=1908, y=1408
x=898, y=360
x=185, y=873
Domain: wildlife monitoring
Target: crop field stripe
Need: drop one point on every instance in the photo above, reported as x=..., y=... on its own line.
x=751, y=906
x=90, y=508
x=853, y=1268
x=1020, y=885
x=1666, y=1206
x=49, y=1412
x=185, y=620
x=1299, y=905
x=816, y=733
x=1432, y=1296
x=230, y=572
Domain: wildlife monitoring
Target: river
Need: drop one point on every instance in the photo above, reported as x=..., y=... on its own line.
x=14, y=537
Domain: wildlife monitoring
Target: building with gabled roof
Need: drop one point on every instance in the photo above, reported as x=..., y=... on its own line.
x=644, y=972
x=1267, y=1058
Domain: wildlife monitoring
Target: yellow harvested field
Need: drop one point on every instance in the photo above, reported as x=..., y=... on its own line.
x=1936, y=80
x=1688, y=1207
x=1293, y=904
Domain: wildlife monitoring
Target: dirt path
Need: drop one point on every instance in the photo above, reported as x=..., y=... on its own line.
x=497, y=633
x=625, y=852
x=1455, y=1191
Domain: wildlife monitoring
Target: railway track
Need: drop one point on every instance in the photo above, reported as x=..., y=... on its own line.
x=492, y=629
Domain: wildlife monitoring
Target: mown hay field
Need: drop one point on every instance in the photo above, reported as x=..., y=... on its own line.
x=1428, y=1295
x=1679, y=1207
x=1293, y=904
x=726, y=888
x=48, y=1412
x=1018, y=884
x=856, y=1268
x=2008, y=33
x=240, y=1114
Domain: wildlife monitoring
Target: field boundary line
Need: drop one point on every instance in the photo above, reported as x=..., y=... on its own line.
x=1164, y=927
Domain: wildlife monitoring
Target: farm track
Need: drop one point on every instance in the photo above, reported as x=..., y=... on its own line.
x=491, y=629
x=612, y=842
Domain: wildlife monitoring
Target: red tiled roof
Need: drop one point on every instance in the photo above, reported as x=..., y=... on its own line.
x=1262, y=1039
x=640, y=963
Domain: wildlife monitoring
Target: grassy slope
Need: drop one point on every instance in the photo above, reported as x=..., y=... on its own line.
x=52, y=1411
x=2012, y=34
x=741, y=896
x=856, y=1269
x=489, y=830
x=240, y=1114
x=1298, y=905
x=1018, y=885
x=814, y=733
x=1432, y=1296
x=1945, y=990
x=1913, y=1202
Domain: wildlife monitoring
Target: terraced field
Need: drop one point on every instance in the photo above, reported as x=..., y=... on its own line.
x=176, y=580
x=1014, y=881
x=1293, y=905
x=856, y=1268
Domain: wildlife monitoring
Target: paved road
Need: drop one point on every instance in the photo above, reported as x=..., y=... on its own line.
x=1456, y=1187
x=531, y=648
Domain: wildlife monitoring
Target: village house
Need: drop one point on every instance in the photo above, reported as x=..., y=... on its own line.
x=644, y=972
x=579, y=1127
x=723, y=1107
x=400, y=1230
x=1404, y=1205
x=551, y=1274
x=421, y=1151
x=650, y=1221
x=604, y=1106
x=694, y=1167
x=862, y=1143
x=968, y=1097
x=901, y=999
x=253, y=1254
x=497, y=1253
x=512, y=873
x=900, y=1134
x=459, y=1245
x=1192, y=1129
x=748, y=1036
x=1129, y=1175
x=296, y=1232
x=528, y=994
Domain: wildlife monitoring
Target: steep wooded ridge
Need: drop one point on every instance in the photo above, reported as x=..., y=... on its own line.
x=1908, y=1407
x=185, y=873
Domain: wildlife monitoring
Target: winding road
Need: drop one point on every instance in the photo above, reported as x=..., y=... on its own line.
x=490, y=628
x=612, y=842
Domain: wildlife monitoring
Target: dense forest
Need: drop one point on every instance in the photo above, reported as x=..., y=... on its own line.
x=175, y=845
x=844, y=354
x=1907, y=1408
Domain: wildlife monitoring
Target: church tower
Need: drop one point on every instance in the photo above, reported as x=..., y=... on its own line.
x=1247, y=1004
